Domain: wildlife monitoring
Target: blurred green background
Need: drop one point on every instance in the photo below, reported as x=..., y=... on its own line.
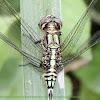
x=83, y=81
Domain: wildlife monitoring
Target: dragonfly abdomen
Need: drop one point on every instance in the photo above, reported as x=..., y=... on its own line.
x=51, y=73
x=50, y=77
x=51, y=64
x=52, y=61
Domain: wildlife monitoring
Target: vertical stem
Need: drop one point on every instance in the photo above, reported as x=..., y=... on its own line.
x=32, y=11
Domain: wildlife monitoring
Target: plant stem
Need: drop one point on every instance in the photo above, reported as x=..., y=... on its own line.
x=32, y=11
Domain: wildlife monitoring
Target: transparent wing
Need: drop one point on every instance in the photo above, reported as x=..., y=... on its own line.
x=72, y=38
x=31, y=59
x=10, y=22
x=84, y=47
x=6, y=10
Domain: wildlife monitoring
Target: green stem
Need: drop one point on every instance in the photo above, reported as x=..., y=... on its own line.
x=32, y=11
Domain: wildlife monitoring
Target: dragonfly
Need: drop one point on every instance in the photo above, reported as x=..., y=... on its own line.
x=50, y=46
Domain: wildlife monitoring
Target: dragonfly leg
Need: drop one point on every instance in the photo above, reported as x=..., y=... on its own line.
x=36, y=68
x=24, y=64
x=39, y=41
x=34, y=41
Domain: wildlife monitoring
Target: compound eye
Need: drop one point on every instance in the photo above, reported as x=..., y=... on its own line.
x=44, y=26
x=59, y=23
x=58, y=26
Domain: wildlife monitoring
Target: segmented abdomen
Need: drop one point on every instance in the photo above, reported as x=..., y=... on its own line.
x=50, y=77
x=52, y=61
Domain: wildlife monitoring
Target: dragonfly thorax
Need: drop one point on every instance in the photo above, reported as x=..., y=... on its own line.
x=52, y=28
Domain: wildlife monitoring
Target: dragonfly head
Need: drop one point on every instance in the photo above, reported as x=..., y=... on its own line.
x=45, y=21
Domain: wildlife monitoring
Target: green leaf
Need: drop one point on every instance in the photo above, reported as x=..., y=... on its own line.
x=97, y=6
x=15, y=4
x=11, y=79
x=68, y=88
x=89, y=74
x=86, y=94
x=96, y=12
x=10, y=73
x=5, y=50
